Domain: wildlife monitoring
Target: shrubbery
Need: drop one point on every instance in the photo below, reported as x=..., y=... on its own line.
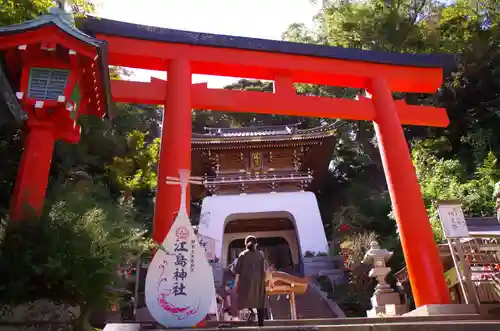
x=70, y=254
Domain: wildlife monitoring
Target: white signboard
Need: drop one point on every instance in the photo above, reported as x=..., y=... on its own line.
x=208, y=244
x=179, y=284
x=453, y=220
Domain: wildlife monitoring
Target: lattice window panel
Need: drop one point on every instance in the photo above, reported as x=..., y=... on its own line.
x=47, y=84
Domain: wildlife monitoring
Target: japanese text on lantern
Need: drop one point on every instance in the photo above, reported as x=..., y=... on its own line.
x=181, y=261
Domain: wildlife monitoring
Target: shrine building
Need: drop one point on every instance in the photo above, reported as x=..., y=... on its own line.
x=259, y=181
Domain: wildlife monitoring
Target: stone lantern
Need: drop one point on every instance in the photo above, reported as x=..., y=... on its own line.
x=384, y=300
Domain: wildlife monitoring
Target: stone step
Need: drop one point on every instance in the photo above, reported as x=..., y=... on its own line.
x=398, y=324
x=408, y=326
x=365, y=320
x=309, y=305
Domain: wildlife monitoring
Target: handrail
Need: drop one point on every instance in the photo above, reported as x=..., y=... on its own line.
x=289, y=283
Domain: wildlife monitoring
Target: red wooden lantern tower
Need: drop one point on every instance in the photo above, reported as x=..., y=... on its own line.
x=58, y=74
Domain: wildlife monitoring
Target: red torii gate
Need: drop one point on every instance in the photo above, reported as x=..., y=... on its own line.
x=182, y=54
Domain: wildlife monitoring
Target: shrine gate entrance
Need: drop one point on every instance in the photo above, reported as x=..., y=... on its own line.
x=182, y=54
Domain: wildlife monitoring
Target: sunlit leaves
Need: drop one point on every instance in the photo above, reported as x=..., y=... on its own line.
x=445, y=179
x=19, y=11
x=136, y=169
x=71, y=253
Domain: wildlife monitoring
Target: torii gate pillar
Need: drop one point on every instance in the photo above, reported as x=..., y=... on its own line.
x=175, y=148
x=422, y=257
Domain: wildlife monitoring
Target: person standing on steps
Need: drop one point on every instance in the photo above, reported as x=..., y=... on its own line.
x=250, y=279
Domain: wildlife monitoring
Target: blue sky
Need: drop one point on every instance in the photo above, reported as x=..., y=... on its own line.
x=266, y=19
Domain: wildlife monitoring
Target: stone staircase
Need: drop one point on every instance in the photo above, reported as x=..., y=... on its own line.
x=429, y=323
x=310, y=305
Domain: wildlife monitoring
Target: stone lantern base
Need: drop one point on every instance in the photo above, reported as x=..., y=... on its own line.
x=385, y=298
x=387, y=303
x=390, y=310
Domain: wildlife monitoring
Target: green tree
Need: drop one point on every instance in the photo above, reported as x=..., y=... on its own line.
x=445, y=179
x=70, y=254
x=19, y=11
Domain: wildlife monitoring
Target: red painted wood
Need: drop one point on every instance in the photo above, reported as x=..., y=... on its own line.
x=422, y=257
x=48, y=34
x=45, y=125
x=33, y=175
x=92, y=98
x=270, y=103
x=175, y=148
x=264, y=65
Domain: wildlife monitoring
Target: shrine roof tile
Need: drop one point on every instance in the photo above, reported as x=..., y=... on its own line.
x=93, y=25
x=268, y=133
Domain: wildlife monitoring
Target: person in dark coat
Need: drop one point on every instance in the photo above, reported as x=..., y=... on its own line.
x=250, y=279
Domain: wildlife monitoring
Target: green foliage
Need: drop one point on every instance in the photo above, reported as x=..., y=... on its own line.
x=11, y=145
x=136, y=169
x=71, y=253
x=354, y=295
x=445, y=179
x=82, y=7
x=19, y=11
x=122, y=154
